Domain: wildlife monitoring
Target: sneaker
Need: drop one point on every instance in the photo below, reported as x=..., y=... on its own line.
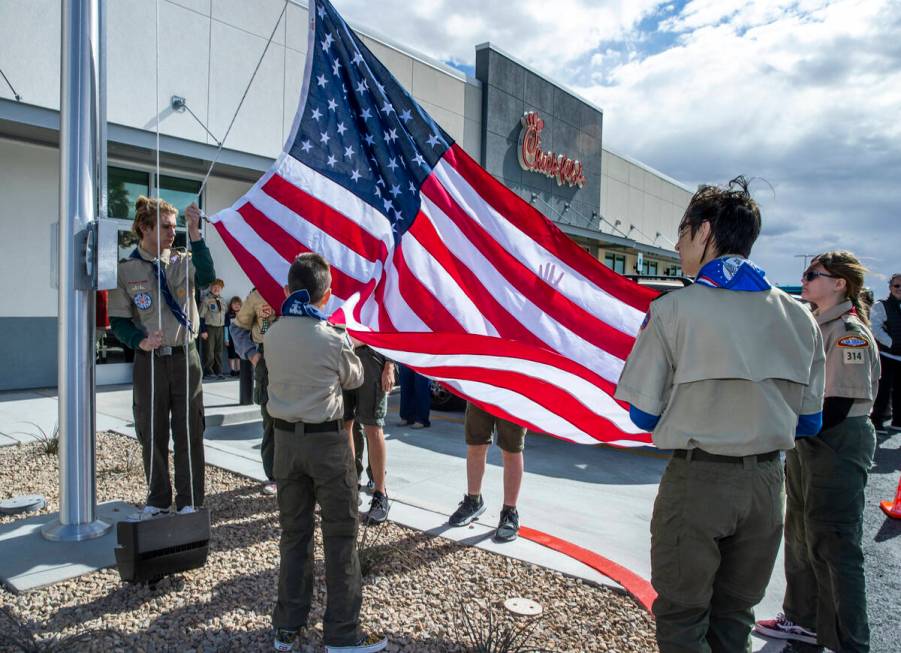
x=148, y=512
x=378, y=512
x=404, y=422
x=368, y=644
x=269, y=488
x=186, y=510
x=782, y=628
x=420, y=425
x=285, y=639
x=508, y=526
x=467, y=511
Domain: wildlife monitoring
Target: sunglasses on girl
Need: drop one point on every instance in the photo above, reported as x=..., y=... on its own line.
x=810, y=275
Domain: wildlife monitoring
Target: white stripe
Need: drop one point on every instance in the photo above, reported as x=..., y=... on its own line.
x=443, y=287
x=312, y=237
x=533, y=255
x=402, y=316
x=556, y=336
x=269, y=259
x=336, y=196
x=589, y=395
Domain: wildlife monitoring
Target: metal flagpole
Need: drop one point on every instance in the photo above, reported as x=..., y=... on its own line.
x=77, y=205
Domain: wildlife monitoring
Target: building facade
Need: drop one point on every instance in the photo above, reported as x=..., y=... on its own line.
x=509, y=117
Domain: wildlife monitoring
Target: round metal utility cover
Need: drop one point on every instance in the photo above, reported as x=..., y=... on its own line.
x=22, y=503
x=523, y=607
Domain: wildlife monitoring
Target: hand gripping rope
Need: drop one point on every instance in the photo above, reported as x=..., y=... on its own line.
x=188, y=296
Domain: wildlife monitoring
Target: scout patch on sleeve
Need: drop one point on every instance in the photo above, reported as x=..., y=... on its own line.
x=647, y=318
x=853, y=342
x=143, y=300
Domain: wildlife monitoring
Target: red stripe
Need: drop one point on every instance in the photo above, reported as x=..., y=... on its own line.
x=506, y=325
x=421, y=300
x=343, y=285
x=535, y=225
x=385, y=323
x=269, y=288
x=478, y=345
x=551, y=397
x=544, y=296
x=335, y=224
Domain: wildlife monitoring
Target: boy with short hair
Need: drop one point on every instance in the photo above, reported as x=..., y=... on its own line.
x=212, y=314
x=310, y=363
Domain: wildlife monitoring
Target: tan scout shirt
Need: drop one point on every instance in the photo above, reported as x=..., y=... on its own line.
x=250, y=316
x=136, y=296
x=212, y=310
x=309, y=363
x=852, y=360
x=728, y=372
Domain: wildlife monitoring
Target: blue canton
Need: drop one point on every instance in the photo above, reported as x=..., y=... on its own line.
x=361, y=128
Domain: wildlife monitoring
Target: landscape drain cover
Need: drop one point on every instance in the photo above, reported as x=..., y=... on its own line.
x=22, y=503
x=523, y=607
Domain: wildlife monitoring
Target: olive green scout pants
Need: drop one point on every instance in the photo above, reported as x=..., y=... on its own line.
x=215, y=344
x=174, y=397
x=311, y=468
x=261, y=397
x=825, y=478
x=715, y=534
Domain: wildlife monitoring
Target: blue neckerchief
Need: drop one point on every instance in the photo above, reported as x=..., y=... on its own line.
x=733, y=273
x=298, y=303
x=164, y=288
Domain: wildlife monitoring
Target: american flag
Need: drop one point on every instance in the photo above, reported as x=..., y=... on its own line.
x=434, y=262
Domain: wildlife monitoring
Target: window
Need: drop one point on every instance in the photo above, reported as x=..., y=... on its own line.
x=616, y=262
x=649, y=268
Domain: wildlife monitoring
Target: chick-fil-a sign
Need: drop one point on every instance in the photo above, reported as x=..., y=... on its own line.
x=556, y=166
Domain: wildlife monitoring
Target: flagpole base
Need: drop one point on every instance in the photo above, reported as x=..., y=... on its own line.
x=55, y=531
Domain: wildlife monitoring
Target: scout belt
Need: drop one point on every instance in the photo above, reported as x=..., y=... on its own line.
x=322, y=427
x=702, y=456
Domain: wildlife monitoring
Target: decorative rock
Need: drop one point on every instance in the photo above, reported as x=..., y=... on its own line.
x=22, y=503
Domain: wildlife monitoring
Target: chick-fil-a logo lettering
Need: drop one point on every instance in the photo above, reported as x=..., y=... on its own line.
x=556, y=166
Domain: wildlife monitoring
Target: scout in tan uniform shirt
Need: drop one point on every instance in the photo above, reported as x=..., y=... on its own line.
x=825, y=598
x=247, y=330
x=162, y=325
x=212, y=312
x=310, y=363
x=724, y=372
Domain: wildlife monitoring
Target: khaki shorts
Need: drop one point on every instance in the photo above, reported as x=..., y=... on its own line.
x=368, y=404
x=479, y=426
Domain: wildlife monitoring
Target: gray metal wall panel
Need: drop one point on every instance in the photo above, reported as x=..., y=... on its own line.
x=28, y=351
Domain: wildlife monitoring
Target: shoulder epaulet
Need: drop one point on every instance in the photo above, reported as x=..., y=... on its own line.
x=852, y=324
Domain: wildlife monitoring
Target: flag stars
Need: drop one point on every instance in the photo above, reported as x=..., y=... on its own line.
x=391, y=135
x=392, y=164
x=388, y=204
x=348, y=153
x=395, y=191
x=370, y=139
x=418, y=159
x=327, y=42
x=367, y=114
x=433, y=140
x=306, y=146
x=336, y=66
x=324, y=137
x=412, y=188
x=316, y=115
x=332, y=105
x=362, y=86
x=357, y=57
x=386, y=107
x=321, y=81
x=355, y=175
x=341, y=128
x=332, y=161
x=321, y=11
x=378, y=191
x=406, y=116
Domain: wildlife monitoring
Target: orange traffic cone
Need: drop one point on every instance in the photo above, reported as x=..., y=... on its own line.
x=893, y=508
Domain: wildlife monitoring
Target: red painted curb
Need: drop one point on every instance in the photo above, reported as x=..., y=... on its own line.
x=634, y=584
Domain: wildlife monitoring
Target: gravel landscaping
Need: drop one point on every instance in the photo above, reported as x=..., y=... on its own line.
x=415, y=591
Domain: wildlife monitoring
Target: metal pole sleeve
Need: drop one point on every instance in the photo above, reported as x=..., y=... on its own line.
x=77, y=203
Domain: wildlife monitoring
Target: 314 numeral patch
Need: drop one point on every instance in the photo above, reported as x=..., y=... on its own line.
x=853, y=356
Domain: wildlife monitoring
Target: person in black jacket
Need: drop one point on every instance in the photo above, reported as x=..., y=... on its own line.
x=886, y=318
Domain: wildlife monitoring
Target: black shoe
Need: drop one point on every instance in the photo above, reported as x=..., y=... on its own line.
x=285, y=639
x=467, y=511
x=378, y=509
x=508, y=526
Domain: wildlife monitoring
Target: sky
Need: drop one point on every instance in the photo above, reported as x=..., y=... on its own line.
x=804, y=96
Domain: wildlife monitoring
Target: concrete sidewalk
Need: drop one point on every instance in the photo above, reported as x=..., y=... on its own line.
x=599, y=498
